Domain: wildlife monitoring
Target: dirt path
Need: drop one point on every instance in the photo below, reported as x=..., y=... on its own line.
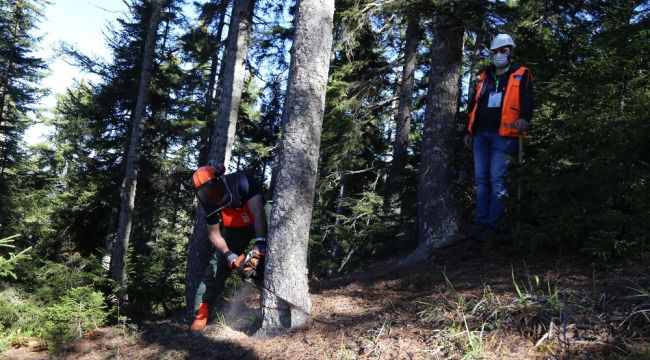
x=461, y=303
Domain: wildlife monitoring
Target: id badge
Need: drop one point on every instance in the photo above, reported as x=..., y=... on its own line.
x=495, y=99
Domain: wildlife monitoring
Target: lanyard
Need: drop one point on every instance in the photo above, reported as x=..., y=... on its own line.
x=497, y=78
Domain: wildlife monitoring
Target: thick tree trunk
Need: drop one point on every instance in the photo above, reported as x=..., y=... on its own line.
x=286, y=267
x=437, y=209
x=118, y=259
x=232, y=82
x=402, y=121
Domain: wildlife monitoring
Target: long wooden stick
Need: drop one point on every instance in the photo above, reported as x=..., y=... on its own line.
x=520, y=160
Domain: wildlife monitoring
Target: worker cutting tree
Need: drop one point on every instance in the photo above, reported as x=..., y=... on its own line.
x=234, y=210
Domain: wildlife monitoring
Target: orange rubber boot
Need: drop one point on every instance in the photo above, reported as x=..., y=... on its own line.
x=201, y=319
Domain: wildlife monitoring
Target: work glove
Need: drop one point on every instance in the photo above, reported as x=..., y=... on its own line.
x=521, y=125
x=234, y=262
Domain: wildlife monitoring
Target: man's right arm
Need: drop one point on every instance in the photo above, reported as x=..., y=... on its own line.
x=214, y=235
x=219, y=243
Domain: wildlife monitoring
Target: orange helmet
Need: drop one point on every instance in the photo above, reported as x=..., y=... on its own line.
x=211, y=188
x=203, y=175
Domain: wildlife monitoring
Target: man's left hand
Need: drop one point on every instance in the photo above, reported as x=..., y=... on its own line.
x=521, y=125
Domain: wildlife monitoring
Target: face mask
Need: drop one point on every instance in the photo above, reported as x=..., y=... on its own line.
x=500, y=60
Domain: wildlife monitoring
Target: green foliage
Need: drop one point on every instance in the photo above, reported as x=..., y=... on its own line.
x=20, y=72
x=56, y=322
x=7, y=265
x=157, y=278
x=54, y=302
x=584, y=178
x=81, y=309
x=585, y=174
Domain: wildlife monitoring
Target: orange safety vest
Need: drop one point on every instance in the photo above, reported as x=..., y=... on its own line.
x=511, y=106
x=239, y=217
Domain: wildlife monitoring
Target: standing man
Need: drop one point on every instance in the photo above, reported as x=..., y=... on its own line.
x=234, y=210
x=500, y=108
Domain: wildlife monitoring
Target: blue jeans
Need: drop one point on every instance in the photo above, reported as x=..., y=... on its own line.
x=492, y=155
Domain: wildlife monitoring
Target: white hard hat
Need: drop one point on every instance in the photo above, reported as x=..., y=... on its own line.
x=502, y=40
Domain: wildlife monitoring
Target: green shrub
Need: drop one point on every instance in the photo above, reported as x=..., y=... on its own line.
x=80, y=310
x=8, y=314
x=54, y=315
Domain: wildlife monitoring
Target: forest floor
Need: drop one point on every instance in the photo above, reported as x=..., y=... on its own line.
x=460, y=304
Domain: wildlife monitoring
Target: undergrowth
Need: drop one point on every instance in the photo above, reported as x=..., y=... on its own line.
x=538, y=308
x=54, y=303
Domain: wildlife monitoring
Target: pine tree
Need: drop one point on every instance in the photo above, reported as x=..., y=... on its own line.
x=222, y=136
x=118, y=259
x=438, y=216
x=19, y=73
x=402, y=121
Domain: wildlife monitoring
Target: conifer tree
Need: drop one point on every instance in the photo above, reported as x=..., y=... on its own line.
x=402, y=121
x=438, y=216
x=118, y=260
x=232, y=84
x=222, y=136
x=20, y=71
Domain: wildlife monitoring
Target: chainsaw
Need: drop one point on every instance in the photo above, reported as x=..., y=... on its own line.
x=252, y=273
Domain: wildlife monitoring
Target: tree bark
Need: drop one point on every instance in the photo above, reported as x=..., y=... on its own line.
x=437, y=209
x=232, y=82
x=286, y=267
x=118, y=259
x=210, y=95
x=402, y=120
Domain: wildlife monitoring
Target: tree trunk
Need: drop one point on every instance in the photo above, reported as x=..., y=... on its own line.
x=437, y=209
x=109, y=241
x=286, y=267
x=209, y=98
x=335, y=246
x=5, y=83
x=403, y=123
x=232, y=82
x=118, y=259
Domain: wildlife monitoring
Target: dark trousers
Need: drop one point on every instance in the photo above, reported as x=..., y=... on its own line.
x=218, y=271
